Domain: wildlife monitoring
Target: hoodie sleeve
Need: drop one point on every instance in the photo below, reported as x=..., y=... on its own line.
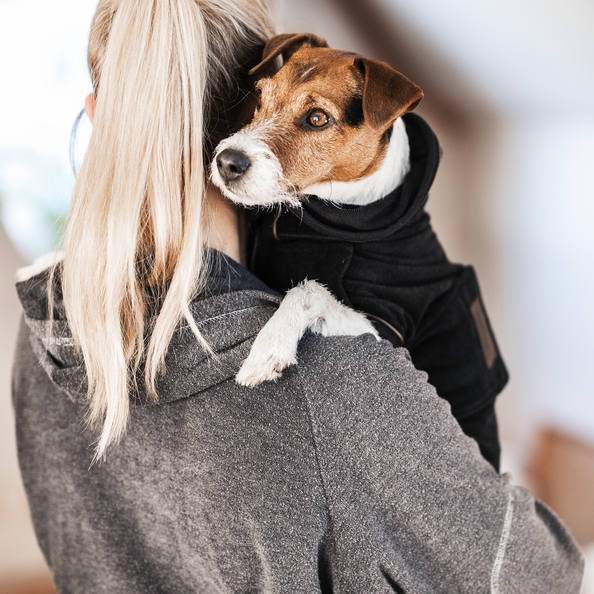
x=413, y=507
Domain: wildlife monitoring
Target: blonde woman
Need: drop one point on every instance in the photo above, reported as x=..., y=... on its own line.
x=148, y=469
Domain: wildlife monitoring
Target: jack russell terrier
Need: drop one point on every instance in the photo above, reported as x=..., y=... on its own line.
x=334, y=143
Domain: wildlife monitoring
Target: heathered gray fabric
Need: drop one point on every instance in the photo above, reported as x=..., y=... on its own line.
x=348, y=475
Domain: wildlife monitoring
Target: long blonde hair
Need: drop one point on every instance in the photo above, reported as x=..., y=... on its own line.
x=139, y=221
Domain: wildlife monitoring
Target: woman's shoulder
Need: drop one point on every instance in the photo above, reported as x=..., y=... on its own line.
x=403, y=482
x=370, y=407
x=362, y=370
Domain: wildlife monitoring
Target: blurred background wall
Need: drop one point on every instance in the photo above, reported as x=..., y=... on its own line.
x=509, y=90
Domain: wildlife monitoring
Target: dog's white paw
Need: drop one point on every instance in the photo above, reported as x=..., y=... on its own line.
x=253, y=372
x=267, y=360
x=344, y=321
x=307, y=306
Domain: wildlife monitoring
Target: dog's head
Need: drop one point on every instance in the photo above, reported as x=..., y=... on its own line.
x=322, y=116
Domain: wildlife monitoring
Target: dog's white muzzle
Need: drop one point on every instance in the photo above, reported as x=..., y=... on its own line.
x=248, y=172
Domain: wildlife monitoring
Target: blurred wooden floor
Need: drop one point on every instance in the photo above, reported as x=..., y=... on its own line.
x=42, y=584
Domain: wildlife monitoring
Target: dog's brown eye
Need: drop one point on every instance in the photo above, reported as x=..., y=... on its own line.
x=317, y=118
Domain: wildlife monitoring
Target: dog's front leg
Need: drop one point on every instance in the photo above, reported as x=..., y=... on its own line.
x=308, y=306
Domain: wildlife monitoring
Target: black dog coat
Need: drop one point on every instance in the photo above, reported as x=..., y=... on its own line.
x=385, y=260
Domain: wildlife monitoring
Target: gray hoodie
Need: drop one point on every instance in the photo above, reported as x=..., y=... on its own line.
x=348, y=475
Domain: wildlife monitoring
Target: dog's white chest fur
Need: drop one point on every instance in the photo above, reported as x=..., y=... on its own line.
x=389, y=176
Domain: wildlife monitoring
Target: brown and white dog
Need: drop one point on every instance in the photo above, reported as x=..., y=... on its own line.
x=327, y=124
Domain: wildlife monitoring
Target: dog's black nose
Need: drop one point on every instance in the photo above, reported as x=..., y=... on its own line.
x=232, y=164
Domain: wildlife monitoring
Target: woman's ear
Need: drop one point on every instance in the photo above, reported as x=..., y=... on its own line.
x=90, y=106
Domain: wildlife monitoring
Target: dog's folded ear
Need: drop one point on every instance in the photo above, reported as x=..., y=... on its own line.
x=284, y=45
x=387, y=94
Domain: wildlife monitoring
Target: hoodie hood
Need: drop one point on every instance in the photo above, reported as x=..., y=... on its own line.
x=229, y=313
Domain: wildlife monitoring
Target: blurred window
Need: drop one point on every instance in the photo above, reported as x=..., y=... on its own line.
x=44, y=83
